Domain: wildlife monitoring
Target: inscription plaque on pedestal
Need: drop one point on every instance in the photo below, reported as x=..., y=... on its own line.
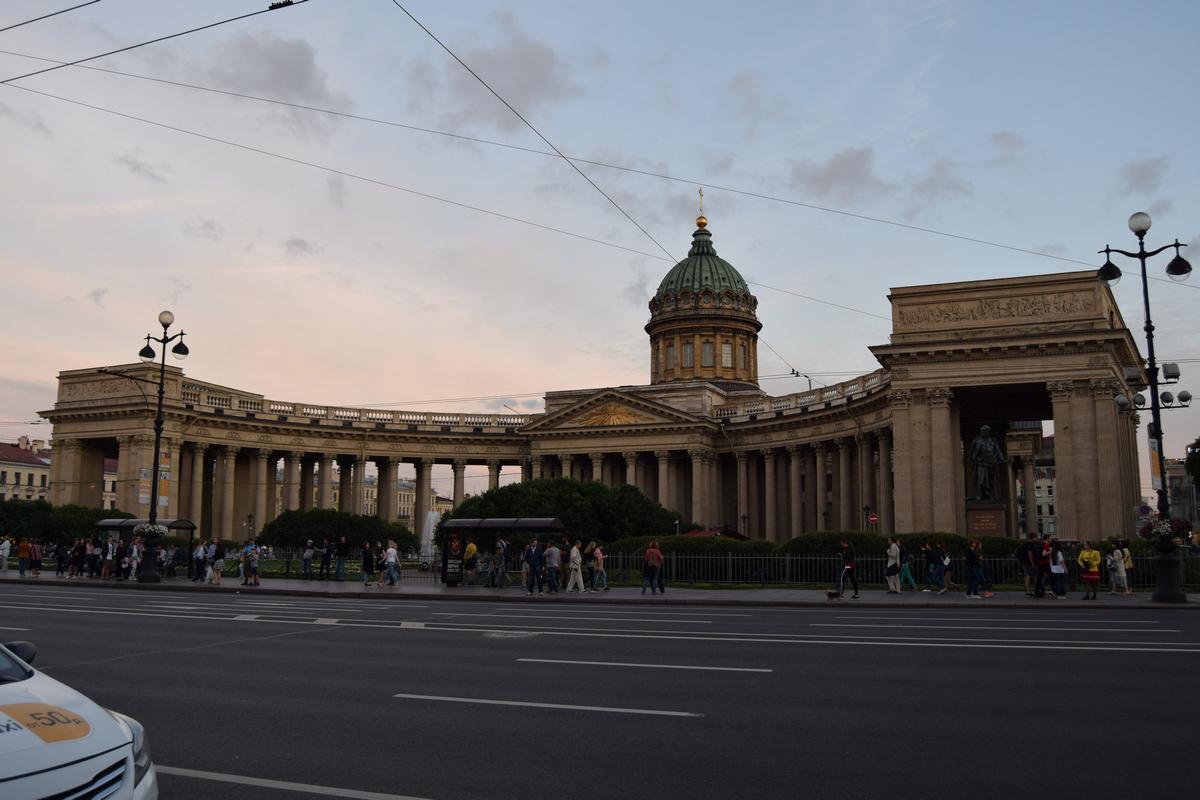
x=987, y=519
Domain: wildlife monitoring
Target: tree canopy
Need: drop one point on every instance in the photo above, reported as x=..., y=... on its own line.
x=295, y=528
x=37, y=519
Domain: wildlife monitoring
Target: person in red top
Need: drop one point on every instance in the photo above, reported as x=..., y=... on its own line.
x=654, y=560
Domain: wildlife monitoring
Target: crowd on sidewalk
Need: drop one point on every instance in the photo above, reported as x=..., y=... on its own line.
x=106, y=559
x=1044, y=561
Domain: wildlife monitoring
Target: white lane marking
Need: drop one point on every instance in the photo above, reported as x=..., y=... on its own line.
x=619, y=610
x=324, y=621
x=530, y=704
x=14, y=629
x=583, y=619
x=39, y=595
x=1029, y=618
x=982, y=627
x=246, y=617
x=648, y=666
x=405, y=625
x=287, y=786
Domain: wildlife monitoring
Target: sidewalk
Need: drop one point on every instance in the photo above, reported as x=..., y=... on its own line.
x=675, y=595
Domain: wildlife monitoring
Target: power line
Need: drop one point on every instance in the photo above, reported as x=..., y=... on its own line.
x=815, y=300
x=529, y=125
x=48, y=16
x=267, y=10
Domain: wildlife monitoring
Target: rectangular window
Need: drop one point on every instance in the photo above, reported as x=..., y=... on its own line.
x=741, y=356
x=4, y=476
x=670, y=356
x=29, y=479
x=706, y=354
x=43, y=481
x=1052, y=511
x=16, y=479
x=1050, y=491
x=727, y=355
x=688, y=355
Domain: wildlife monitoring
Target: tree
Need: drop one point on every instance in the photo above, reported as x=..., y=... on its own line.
x=295, y=528
x=588, y=509
x=1192, y=464
x=37, y=519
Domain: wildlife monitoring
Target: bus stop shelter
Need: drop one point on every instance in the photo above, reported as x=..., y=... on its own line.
x=120, y=526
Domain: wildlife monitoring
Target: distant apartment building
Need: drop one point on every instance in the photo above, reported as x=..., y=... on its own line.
x=24, y=469
x=1181, y=491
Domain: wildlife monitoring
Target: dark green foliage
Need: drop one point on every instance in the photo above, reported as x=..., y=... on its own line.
x=1192, y=464
x=830, y=542
x=38, y=519
x=295, y=528
x=588, y=509
x=690, y=544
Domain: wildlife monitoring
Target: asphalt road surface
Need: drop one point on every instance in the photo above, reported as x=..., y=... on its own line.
x=291, y=698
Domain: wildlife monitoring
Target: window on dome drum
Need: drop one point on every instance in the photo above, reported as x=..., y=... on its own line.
x=688, y=356
x=727, y=355
x=741, y=356
x=670, y=356
x=706, y=354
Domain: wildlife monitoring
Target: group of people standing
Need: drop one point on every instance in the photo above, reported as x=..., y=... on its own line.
x=542, y=565
x=1045, y=565
x=94, y=558
x=211, y=556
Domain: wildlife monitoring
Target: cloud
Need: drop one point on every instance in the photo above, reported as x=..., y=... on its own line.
x=1160, y=207
x=638, y=291
x=525, y=71
x=1144, y=175
x=940, y=182
x=97, y=296
x=844, y=177
x=143, y=168
x=204, y=229
x=1009, y=146
x=283, y=69
x=336, y=185
x=178, y=289
x=26, y=119
x=299, y=248
x=1052, y=249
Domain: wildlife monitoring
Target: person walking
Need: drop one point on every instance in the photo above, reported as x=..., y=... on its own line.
x=589, y=566
x=60, y=560
x=576, y=575
x=326, y=559
x=601, y=575
x=974, y=571
x=935, y=563
x=392, y=564
x=496, y=568
x=1127, y=557
x=368, y=564
x=906, y=564
x=252, y=557
x=35, y=558
x=1116, y=570
x=342, y=551
x=22, y=557
x=218, y=563
x=533, y=560
x=470, y=560
x=380, y=562
x=5, y=552
x=652, y=563
x=1058, y=570
x=553, y=559
x=1028, y=564
x=306, y=559
x=892, y=571
x=849, y=570
x=1089, y=567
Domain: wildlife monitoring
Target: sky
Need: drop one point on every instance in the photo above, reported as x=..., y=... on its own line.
x=1039, y=126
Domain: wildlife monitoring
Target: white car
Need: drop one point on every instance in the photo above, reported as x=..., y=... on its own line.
x=57, y=744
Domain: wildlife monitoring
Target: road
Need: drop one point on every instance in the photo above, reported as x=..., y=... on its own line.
x=294, y=697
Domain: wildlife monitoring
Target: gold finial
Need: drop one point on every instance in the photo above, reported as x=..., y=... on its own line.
x=701, y=221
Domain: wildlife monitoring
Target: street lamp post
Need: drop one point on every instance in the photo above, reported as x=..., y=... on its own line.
x=149, y=571
x=1168, y=568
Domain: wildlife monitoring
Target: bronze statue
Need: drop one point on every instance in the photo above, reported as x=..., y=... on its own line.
x=986, y=457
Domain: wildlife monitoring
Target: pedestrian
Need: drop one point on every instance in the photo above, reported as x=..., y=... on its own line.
x=947, y=571
x=589, y=566
x=892, y=571
x=1116, y=570
x=576, y=561
x=553, y=563
x=849, y=570
x=496, y=568
x=343, y=552
x=392, y=564
x=1089, y=567
x=906, y=564
x=652, y=563
x=368, y=565
x=197, y=561
x=1127, y=557
x=253, y=552
x=91, y=553
x=1042, y=559
x=380, y=562
x=601, y=574
x=974, y=571
x=218, y=563
x=532, y=561
x=1028, y=564
x=306, y=559
x=1058, y=570
x=5, y=552
x=121, y=560
x=470, y=559
x=35, y=558
x=22, y=557
x=60, y=560
x=502, y=543
x=326, y=559
x=935, y=562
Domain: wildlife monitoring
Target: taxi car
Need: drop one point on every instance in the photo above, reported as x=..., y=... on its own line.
x=57, y=744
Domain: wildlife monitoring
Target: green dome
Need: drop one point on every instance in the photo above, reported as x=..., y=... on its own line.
x=702, y=269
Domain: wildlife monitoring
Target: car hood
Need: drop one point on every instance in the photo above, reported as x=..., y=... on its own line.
x=44, y=724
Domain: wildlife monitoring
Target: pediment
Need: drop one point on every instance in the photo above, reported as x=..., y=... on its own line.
x=612, y=409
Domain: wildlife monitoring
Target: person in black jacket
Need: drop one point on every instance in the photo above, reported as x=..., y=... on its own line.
x=533, y=557
x=849, y=570
x=326, y=558
x=343, y=552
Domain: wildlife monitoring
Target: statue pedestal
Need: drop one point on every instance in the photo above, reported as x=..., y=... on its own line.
x=987, y=518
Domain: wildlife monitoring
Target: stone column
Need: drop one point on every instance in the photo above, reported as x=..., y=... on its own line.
x=743, y=493
x=385, y=489
x=345, y=483
x=228, y=487
x=846, y=515
x=197, y=512
x=866, y=478
x=458, y=467
x=126, y=476
x=795, y=491
x=422, y=490
x=887, y=515
x=306, y=483
x=173, y=509
x=698, y=493
x=597, y=460
x=664, y=478
x=325, y=480
x=715, y=506
x=1029, y=488
x=1064, y=462
x=944, y=458
x=630, y=468
x=291, y=480
x=820, y=462
x=493, y=467
x=535, y=465
x=770, y=496
x=902, y=455
x=359, y=487
x=1083, y=453
x=564, y=460
x=1108, y=460
x=262, y=487
x=753, y=495
x=1129, y=476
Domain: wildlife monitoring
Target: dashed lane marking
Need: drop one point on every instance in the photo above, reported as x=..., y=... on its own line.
x=287, y=786
x=562, y=706
x=647, y=666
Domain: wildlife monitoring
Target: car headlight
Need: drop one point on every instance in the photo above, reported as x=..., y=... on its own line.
x=141, y=746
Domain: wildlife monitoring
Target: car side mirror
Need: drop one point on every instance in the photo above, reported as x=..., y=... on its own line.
x=26, y=651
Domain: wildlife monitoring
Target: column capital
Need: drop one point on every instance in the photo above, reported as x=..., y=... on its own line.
x=900, y=398
x=939, y=396
x=494, y=463
x=819, y=447
x=328, y=456
x=459, y=463
x=794, y=450
x=1060, y=390
x=629, y=457
x=198, y=447
x=741, y=455
x=766, y=452
x=697, y=453
x=596, y=456
x=1104, y=387
x=295, y=455
x=231, y=450
x=565, y=458
x=68, y=444
x=843, y=443
x=662, y=454
x=262, y=455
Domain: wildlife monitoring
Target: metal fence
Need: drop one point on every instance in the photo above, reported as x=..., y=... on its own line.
x=768, y=569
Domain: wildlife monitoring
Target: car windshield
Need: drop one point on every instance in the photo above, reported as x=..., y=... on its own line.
x=10, y=670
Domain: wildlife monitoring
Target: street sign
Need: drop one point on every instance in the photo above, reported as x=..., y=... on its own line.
x=873, y=518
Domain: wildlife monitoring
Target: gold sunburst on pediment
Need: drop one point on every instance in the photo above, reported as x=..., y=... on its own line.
x=611, y=414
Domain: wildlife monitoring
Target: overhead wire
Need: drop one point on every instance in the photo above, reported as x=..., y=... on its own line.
x=47, y=16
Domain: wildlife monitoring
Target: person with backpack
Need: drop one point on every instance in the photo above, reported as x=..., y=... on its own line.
x=906, y=564
x=935, y=563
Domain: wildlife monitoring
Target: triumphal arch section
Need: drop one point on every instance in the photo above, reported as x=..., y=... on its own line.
x=896, y=450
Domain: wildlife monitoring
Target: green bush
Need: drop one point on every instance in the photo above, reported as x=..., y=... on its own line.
x=37, y=519
x=295, y=528
x=690, y=544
